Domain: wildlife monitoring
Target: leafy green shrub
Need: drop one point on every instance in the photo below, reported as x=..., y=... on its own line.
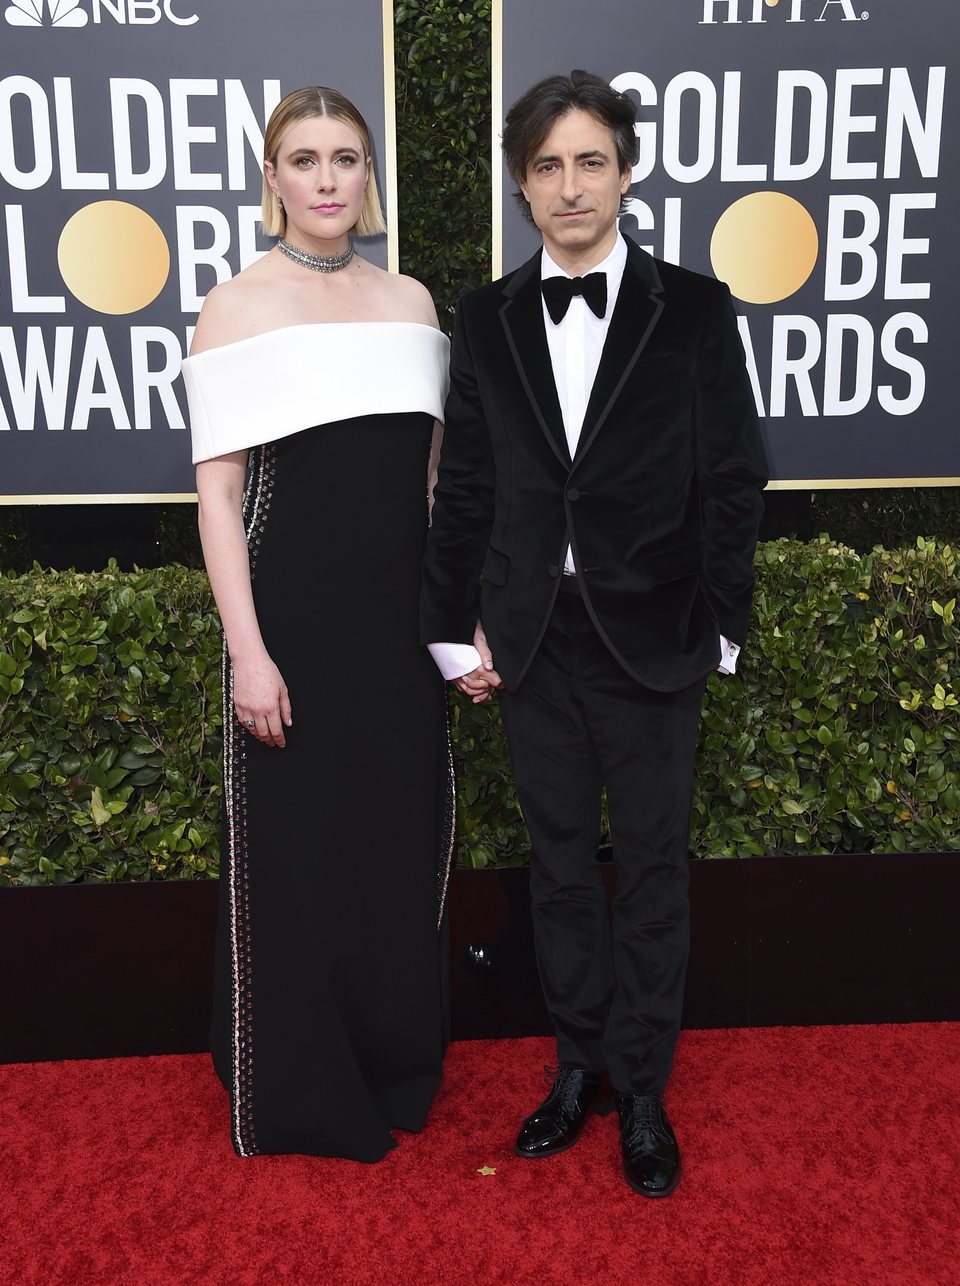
x=840, y=735
x=490, y=829
x=14, y=539
x=889, y=516
x=442, y=60
x=109, y=710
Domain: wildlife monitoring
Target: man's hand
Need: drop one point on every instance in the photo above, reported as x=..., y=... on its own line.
x=480, y=683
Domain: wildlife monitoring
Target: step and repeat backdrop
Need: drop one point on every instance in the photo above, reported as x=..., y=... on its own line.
x=805, y=152
x=131, y=136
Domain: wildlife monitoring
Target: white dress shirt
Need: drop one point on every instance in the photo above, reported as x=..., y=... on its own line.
x=576, y=346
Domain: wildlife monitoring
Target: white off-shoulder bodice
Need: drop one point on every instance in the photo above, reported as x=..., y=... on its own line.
x=270, y=386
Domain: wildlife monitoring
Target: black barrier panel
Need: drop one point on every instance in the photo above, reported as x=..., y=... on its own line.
x=130, y=144
x=806, y=152
x=118, y=969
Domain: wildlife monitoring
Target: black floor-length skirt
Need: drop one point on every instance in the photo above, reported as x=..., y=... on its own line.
x=329, y=1012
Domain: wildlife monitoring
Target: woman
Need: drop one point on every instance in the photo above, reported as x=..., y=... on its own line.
x=314, y=381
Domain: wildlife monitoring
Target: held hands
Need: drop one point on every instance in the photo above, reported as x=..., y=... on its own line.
x=480, y=683
x=260, y=699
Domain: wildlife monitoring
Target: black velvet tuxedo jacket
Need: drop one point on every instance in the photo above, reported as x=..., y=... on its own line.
x=661, y=502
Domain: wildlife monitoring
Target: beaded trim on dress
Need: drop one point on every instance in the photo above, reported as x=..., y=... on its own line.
x=256, y=507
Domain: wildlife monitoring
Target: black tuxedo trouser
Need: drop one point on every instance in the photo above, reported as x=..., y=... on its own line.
x=578, y=723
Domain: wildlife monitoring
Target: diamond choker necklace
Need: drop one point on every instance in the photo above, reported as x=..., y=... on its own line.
x=319, y=263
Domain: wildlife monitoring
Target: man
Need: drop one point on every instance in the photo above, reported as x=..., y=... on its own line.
x=602, y=472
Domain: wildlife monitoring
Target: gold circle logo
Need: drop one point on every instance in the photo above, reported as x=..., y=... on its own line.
x=113, y=257
x=764, y=247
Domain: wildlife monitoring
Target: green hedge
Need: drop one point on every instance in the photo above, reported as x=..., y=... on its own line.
x=442, y=56
x=841, y=735
x=110, y=689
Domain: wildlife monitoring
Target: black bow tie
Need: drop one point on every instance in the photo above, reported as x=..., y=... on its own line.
x=558, y=291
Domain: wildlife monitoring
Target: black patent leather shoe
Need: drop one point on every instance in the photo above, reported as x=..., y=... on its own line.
x=557, y=1122
x=651, y=1157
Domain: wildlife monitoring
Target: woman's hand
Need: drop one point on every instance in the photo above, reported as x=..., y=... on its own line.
x=260, y=699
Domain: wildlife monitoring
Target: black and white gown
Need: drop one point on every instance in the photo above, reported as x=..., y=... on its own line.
x=329, y=1011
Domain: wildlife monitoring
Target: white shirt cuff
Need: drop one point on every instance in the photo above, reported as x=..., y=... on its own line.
x=728, y=656
x=454, y=659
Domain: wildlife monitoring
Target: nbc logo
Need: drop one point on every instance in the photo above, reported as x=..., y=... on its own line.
x=59, y=13
x=68, y=13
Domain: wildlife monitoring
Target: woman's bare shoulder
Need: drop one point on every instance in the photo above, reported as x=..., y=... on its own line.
x=236, y=309
x=419, y=299
x=413, y=295
x=403, y=298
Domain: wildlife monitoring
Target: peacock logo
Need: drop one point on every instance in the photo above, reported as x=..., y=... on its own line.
x=56, y=13
x=68, y=13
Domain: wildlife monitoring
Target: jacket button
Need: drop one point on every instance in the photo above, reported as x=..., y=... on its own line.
x=554, y=571
x=573, y=494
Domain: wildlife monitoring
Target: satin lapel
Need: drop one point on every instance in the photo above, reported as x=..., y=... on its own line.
x=521, y=315
x=638, y=308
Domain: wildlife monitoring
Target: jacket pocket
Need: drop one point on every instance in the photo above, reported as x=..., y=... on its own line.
x=676, y=562
x=496, y=567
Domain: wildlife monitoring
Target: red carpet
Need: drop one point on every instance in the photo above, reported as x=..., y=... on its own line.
x=824, y=1155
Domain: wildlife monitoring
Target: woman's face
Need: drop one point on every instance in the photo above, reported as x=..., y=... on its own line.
x=320, y=175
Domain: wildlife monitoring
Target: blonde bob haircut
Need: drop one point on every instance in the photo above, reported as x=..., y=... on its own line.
x=300, y=105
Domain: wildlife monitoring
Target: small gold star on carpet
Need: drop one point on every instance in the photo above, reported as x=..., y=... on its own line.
x=486, y=1169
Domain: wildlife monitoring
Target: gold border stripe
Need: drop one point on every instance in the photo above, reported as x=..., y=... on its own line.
x=779, y=484
x=160, y=498
x=390, y=137
x=496, y=117
x=855, y=484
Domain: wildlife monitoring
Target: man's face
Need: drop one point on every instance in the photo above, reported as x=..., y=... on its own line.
x=574, y=187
